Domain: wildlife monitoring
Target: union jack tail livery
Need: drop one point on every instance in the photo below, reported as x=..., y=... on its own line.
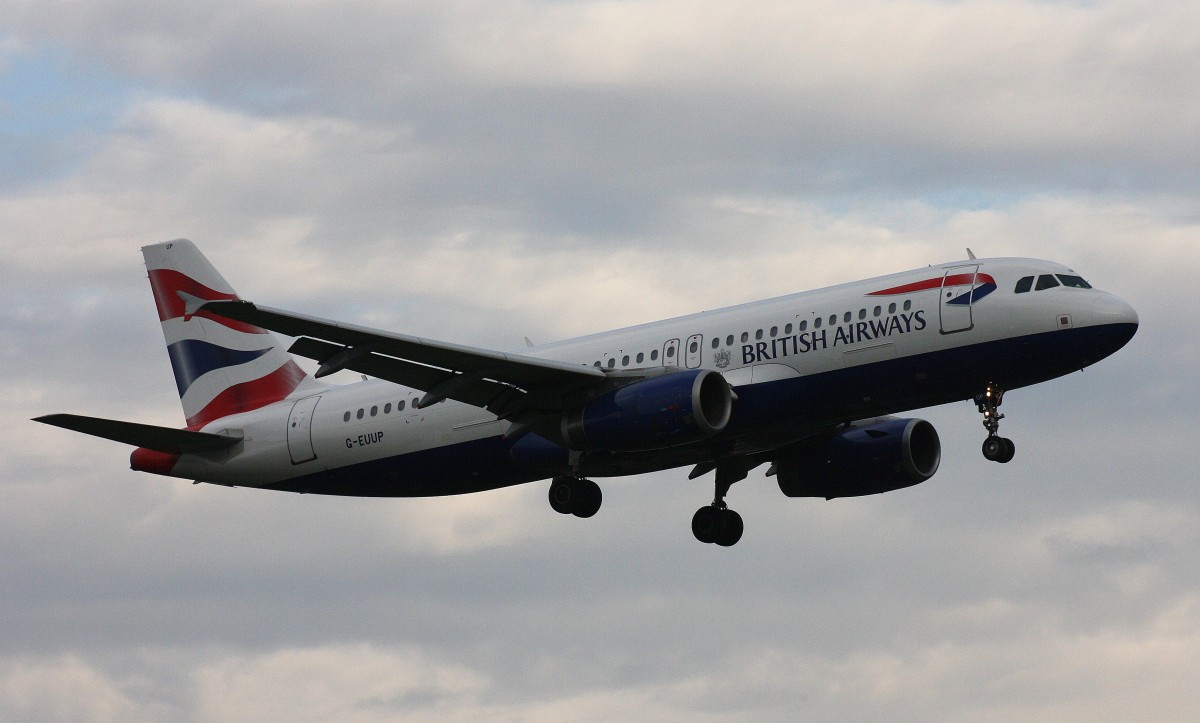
x=221, y=366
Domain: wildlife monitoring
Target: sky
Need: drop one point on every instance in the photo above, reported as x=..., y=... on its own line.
x=480, y=172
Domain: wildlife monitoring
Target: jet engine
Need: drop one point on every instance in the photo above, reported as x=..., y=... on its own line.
x=872, y=456
x=653, y=413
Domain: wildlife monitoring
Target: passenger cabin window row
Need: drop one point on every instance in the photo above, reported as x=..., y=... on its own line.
x=758, y=335
x=1049, y=281
x=373, y=411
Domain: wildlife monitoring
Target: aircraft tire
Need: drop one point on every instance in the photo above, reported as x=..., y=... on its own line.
x=1010, y=451
x=993, y=448
x=589, y=498
x=731, y=528
x=563, y=495
x=706, y=524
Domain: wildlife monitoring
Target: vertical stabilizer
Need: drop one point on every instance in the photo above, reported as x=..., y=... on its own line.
x=221, y=366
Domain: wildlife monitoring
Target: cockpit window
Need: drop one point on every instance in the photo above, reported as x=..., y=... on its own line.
x=1074, y=282
x=1046, y=281
x=1025, y=284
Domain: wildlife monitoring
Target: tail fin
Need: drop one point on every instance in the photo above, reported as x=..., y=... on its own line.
x=221, y=366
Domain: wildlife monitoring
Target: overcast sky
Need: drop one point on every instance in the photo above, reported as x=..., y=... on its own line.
x=484, y=171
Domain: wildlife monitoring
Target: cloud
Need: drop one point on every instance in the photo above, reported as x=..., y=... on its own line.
x=479, y=172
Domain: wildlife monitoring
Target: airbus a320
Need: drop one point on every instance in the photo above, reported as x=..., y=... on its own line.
x=802, y=384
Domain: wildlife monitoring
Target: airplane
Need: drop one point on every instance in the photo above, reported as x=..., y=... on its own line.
x=804, y=383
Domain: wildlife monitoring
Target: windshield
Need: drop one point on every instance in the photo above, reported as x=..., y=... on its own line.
x=1074, y=282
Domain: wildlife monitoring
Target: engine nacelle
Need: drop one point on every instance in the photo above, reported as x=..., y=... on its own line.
x=873, y=456
x=653, y=413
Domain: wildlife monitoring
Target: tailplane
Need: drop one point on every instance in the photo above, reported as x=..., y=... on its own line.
x=221, y=366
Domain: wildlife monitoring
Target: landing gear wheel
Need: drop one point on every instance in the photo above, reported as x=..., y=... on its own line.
x=575, y=496
x=731, y=528
x=562, y=495
x=706, y=524
x=999, y=449
x=1010, y=451
x=590, y=498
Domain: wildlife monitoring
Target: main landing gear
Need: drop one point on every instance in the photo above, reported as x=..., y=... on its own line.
x=995, y=447
x=575, y=496
x=716, y=523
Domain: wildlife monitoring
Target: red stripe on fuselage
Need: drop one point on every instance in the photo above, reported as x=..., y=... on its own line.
x=165, y=282
x=251, y=395
x=936, y=283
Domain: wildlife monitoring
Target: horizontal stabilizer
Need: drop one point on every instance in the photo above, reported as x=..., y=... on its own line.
x=160, y=439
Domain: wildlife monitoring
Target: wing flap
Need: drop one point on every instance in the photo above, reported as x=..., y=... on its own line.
x=159, y=439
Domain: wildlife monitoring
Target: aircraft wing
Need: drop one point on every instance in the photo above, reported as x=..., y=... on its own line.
x=505, y=384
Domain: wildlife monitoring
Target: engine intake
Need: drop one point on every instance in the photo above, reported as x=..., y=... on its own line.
x=873, y=456
x=654, y=413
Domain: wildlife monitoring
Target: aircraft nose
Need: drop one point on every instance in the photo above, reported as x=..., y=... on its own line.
x=1109, y=309
x=1114, y=324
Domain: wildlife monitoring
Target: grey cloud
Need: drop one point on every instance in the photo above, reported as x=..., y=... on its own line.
x=372, y=164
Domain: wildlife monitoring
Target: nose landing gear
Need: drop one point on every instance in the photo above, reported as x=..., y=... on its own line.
x=995, y=447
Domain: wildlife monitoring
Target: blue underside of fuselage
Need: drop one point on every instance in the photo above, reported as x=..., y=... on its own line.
x=765, y=415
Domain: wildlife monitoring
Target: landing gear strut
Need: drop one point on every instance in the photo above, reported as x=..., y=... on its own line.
x=575, y=496
x=716, y=523
x=995, y=447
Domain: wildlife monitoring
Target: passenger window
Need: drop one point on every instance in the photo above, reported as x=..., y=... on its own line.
x=1046, y=281
x=597, y=364
x=817, y=323
x=400, y=406
x=361, y=413
x=907, y=304
x=716, y=342
x=625, y=360
x=745, y=336
x=374, y=411
x=1024, y=285
x=612, y=363
x=878, y=310
x=387, y=408
x=758, y=334
x=862, y=313
x=346, y=418
x=833, y=319
x=671, y=351
x=892, y=308
x=729, y=340
x=641, y=357
x=654, y=355
x=787, y=329
x=1074, y=282
x=846, y=318
x=803, y=325
x=774, y=331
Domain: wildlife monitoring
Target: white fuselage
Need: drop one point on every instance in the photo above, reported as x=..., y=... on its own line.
x=841, y=352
